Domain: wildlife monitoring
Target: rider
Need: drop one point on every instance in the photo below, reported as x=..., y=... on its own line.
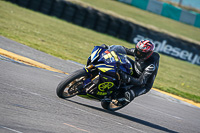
x=145, y=67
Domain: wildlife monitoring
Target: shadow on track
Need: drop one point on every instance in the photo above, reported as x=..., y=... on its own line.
x=143, y=122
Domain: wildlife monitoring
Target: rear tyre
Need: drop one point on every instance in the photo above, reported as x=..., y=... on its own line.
x=115, y=105
x=72, y=85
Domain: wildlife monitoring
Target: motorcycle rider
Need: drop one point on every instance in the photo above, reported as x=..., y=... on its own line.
x=145, y=67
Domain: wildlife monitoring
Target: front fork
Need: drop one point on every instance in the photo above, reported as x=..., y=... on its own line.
x=88, y=70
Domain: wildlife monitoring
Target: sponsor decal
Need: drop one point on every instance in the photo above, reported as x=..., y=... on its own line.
x=164, y=47
x=105, y=85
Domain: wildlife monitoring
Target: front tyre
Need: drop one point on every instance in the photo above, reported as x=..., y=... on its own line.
x=72, y=85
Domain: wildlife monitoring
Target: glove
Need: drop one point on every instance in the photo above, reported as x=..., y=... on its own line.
x=125, y=77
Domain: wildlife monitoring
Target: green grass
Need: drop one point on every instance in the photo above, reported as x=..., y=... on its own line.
x=68, y=41
x=147, y=18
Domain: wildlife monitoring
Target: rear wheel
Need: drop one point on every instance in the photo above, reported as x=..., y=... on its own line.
x=72, y=85
x=114, y=104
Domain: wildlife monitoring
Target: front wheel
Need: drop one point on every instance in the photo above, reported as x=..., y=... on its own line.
x=72, y=85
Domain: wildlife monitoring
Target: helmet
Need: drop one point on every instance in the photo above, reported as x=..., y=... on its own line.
x=144, y=49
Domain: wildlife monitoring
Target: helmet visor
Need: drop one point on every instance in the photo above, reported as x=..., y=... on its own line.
x=140, y=54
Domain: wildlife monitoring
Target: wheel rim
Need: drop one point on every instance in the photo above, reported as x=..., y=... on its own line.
x=115, y=105
x=73, y=88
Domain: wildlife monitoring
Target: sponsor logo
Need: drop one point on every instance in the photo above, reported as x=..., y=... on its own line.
x=105, y=85
x=163, y=47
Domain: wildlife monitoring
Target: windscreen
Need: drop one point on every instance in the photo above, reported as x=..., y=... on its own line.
x=117, y=49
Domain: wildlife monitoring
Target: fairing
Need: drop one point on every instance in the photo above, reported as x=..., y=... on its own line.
x=108, y=64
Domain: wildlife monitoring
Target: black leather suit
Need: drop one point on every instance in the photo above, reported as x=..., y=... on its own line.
x=144, y=72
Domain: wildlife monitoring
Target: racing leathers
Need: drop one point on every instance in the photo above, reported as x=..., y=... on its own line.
x=144, y=71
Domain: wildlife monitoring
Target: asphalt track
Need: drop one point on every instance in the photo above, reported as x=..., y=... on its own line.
x=28, y=103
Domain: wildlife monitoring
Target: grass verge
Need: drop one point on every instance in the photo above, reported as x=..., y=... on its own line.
x=68, y=41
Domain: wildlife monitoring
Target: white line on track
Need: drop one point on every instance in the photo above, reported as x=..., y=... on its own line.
x=10, y=129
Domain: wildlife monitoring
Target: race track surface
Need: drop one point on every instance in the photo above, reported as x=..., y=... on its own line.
x=28, y=103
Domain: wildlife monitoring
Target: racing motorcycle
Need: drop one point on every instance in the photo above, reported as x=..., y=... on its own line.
x=100, y=80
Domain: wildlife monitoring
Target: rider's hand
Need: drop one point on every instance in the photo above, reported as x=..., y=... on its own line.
x=124, y=77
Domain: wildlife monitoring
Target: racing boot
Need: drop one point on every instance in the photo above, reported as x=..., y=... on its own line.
x=128, y=96
x=131, y=80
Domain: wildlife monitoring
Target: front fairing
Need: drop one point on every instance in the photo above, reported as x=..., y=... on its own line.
x=102, y=59
x=96, y=53
x=112, y=65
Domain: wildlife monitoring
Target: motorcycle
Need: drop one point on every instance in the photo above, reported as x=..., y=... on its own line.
x=100, y=80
